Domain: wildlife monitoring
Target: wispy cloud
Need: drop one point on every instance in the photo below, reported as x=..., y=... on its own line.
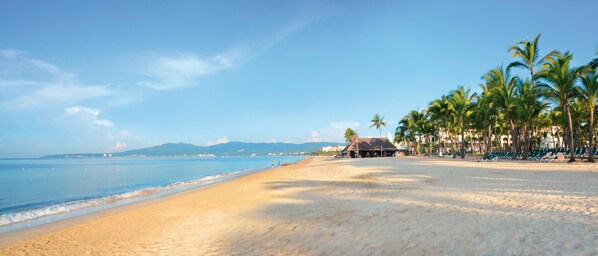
x=166, y=72
x=11, y=53
x=184, y=70
x=27, y=82
x=218, y=141
x=89, y=114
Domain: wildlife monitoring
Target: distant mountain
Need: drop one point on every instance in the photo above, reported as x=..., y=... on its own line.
x=224, y=149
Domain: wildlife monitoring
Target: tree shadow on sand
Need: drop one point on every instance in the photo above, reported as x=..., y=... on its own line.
x=415, y=209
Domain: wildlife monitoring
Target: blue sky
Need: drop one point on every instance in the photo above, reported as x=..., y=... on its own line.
x=104, y=76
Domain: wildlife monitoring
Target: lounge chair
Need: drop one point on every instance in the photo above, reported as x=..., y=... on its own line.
x=491, y=158
x=547, y=158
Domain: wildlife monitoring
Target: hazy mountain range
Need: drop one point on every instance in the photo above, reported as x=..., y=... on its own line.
x=224, y=149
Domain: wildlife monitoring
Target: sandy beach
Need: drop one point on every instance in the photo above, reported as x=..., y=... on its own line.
x=407, y=206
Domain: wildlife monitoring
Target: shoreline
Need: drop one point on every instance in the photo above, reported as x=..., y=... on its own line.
x=29, y=232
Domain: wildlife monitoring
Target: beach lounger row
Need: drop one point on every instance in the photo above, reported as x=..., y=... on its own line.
x=542, y=155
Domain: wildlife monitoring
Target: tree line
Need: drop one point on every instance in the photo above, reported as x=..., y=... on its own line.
x=552, y=99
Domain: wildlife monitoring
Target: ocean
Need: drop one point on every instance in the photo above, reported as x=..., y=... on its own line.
x=40, y=191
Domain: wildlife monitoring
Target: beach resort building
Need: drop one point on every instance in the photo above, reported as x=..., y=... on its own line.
x=370, y=147
x=332, y=148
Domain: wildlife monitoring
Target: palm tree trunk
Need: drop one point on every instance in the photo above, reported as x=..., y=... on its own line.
x=462, y=141
x=430, y=144
x=578, y=142
x=533, y=135
x=480, y=140
x=571, y=143
x=489, y=143
x=525, y=141
x=591, y=136
x=513, y=144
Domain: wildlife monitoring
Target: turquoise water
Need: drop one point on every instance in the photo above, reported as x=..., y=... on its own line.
x=38, y=191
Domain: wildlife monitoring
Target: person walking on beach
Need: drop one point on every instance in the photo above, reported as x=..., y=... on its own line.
x=272, y=164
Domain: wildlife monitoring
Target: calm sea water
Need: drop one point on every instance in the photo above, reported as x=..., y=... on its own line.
x=38, y=191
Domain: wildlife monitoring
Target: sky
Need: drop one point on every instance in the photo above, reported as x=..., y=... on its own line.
x=108, y=76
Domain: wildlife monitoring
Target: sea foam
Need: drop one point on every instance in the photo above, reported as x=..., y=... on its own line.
x=11, y=218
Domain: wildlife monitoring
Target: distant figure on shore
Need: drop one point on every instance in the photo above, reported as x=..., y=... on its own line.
x=278, y=163
x=272, y=164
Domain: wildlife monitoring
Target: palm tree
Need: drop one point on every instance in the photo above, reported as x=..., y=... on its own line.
x=560, y=87
x=594, y=62
x=427, y=128
x=528, y=54
x=485, y=111
x=440, y=113
x=460, y=103
x=350, y=134
x=528, y=107
x=589, y=92
x=421, y=125
x=402, y=132
x=504, y=90
x=378, y=122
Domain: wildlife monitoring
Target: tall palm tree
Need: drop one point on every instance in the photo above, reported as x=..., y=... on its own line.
x=427, y=128
x=460, y=103
x=422, y=126
x=528, y=54
x=403, y=131
x=528, y=106
x=560, y=86
x=504, y=91
x=589, y=92
x=440, y=113
x=485, y=111
x=378, y=122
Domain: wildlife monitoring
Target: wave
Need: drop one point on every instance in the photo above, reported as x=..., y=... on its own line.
x=11, y=218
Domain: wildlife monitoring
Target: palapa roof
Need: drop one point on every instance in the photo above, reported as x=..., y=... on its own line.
x=370, y=144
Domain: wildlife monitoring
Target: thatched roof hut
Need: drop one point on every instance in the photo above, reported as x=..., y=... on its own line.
x=370, y=147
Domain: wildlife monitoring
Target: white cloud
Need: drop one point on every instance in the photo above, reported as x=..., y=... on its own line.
x=218, y=141
x=104, y=123
x=11, y=53
x=170, y=72
x=89, y=114
x=273, y=140
x=82, y=110
x=26, y=83
x=185, y=70
x=315, y=137
x=333, y=133
x=118, y=146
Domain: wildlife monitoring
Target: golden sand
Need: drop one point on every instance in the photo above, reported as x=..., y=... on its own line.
x=408, y=206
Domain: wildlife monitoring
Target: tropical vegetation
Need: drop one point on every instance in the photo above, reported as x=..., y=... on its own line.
x=378, y=122
x=535, y=98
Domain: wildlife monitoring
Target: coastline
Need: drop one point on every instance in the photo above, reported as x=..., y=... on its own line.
x=25, y=233
x=353, y=206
